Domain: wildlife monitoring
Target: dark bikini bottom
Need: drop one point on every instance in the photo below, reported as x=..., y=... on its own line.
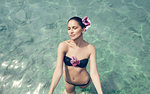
x=79, y=84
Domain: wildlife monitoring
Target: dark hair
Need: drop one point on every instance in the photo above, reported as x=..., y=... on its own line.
x=79, y=20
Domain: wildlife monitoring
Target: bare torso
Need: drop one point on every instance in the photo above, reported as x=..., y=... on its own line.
x=77, y=75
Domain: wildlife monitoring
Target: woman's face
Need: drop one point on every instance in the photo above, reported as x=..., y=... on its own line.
x=74, y=29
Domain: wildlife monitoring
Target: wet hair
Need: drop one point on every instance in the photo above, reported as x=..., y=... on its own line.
x=79, y=20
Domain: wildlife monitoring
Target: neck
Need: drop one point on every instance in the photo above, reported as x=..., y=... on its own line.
x=78, y=41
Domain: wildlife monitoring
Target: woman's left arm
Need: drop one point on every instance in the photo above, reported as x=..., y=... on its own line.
x=93, y=70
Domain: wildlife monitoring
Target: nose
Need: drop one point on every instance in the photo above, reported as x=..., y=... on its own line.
x=71, y=31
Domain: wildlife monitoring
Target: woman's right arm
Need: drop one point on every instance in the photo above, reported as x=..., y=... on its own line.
x=59, y=67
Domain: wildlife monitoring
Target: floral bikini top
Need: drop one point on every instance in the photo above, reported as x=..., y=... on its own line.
x=75, y=62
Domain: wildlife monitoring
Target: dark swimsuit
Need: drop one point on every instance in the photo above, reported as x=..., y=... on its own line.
x=83, y=63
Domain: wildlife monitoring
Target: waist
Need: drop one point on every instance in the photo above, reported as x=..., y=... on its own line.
x=76, y=76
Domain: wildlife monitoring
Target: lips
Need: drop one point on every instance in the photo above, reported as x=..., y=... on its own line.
x=72, y=35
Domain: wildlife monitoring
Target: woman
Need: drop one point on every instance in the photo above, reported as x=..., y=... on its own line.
x=75, y=72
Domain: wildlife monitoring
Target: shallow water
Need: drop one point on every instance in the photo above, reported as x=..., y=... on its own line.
x=30, y=31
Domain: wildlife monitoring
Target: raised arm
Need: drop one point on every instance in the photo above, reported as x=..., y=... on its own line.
x=93, y=70
x=59, y=67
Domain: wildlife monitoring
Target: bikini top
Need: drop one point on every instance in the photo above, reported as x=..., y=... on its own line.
x=82, y=64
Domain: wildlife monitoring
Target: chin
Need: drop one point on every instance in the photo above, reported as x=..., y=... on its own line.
x=72, y=38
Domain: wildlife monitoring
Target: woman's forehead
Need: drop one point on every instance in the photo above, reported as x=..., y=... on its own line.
x=73, y=23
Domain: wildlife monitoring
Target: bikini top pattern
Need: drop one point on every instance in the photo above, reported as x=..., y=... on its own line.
x=82, y=63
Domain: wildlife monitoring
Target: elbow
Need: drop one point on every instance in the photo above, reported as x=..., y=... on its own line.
x=93, y=73
x=59, y=72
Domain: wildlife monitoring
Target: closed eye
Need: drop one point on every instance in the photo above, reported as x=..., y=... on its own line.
x=74, y=27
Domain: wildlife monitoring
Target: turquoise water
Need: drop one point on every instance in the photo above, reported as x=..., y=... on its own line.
x=30, y=31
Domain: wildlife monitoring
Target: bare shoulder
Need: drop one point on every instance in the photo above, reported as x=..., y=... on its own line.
x=91, y=48
x=62, y=46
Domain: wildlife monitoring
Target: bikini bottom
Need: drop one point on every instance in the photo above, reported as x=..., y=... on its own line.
x=79, y=84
